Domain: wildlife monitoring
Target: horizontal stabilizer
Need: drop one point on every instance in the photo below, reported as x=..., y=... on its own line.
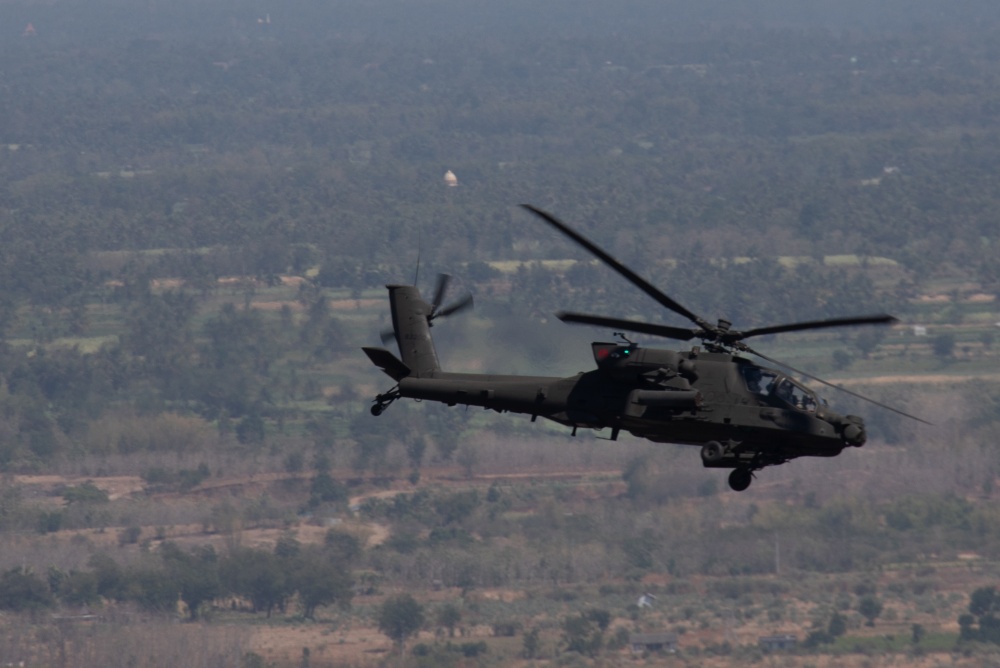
x=388, y=362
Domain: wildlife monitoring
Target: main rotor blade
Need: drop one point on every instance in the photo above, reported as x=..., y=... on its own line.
x=836, y=387
x=880, y=319
x=629, y=325
x=460, y=305
x=627, y=273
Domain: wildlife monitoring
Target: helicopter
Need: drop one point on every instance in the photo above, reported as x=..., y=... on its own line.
x=743, y=416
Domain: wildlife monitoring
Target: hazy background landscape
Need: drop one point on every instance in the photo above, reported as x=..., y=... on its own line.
x=200, y=204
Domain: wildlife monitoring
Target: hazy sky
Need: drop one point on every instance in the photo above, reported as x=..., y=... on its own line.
x=73, y=20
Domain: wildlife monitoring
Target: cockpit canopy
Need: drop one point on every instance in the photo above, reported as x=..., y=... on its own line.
x=766, y=383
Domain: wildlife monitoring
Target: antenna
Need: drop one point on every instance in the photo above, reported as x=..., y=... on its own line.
x=624, y=338
x=420, y=247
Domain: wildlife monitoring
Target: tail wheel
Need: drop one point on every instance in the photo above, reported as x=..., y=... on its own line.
x=382, y=401
x=740, y=479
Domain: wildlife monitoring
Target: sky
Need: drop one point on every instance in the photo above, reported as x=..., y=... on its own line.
x=101, y=20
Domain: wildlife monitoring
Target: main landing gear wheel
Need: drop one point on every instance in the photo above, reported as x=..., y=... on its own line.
x=740, y=479
x=712, y=452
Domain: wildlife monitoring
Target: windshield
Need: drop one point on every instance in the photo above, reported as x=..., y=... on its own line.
x=796, y=395
x=759, y=381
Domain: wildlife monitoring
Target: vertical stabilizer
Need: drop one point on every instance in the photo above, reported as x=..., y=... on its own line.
x=411, y=324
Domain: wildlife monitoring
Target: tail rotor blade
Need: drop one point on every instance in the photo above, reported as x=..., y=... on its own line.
x=439, y=290
x=387, y=335
x=456, y=307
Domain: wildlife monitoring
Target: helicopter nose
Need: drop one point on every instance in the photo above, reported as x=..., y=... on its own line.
x=853, y=431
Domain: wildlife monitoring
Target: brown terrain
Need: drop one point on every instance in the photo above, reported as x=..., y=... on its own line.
x=351, y=641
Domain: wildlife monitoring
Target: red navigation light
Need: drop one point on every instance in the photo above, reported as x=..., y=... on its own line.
x=603, y=352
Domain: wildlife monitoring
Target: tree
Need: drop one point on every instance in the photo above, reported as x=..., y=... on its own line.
x=326, y=489
x=943, y=345
x=467, y=458
x=984, y=601
x=250, y=430
x=88, y=492
x=582, y=634
x=967, y=626
x=415, y=448
x=456, y=507
x=236, y=357
x=151, y=587
x=109, y=575
x=837, y=626
x=288, y=546
x=868, y=340
x=400, y=617
x=78, y=588
x=530, y=644
x=20, y=589
x=448, y=617
x=600, y=617
x=158, y=330
x=870, y=608
x=260, y=576
x=341, y=546
x=988, y=338
x=320, y=582
x=194, y=575
x=984, y=607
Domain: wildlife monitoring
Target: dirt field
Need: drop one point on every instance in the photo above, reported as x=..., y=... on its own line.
x=326, y=646
x=340, y=639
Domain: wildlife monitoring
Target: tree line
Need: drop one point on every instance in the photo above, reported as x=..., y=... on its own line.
x=730, y=143
x=256, y=580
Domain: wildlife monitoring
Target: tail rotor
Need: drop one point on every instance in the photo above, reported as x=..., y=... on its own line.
x=463, y=303
x=438, y=308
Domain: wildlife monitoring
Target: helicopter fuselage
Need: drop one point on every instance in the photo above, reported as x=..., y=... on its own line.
x=690, y=398
x=743, y=416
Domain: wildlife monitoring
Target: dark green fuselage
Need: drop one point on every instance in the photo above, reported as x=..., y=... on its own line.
x=692, y=397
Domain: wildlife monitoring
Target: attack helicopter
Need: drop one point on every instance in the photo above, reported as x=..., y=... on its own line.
x=742, y=415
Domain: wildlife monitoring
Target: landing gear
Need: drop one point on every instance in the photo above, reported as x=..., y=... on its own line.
x=712, y=453
x=740, y=479
x=382, y=401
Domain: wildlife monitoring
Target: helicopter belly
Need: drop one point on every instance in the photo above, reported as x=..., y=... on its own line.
x=783, y=433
